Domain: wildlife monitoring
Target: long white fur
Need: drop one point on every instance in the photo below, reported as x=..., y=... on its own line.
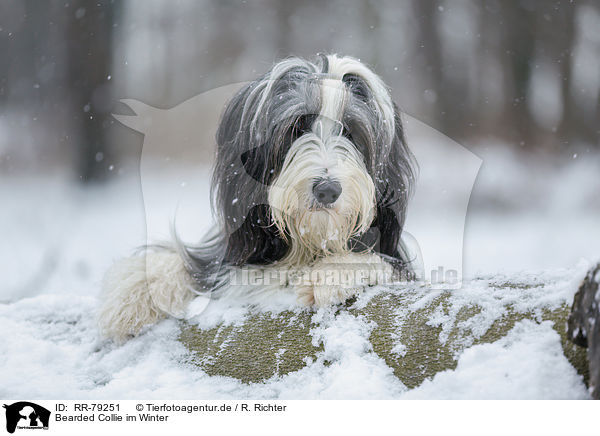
x=141, y=290
x=313, y=233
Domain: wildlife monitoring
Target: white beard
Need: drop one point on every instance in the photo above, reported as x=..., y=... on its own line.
x=313, y=232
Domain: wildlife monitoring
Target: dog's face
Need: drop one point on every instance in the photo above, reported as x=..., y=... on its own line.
x=324, y=194
x=325, y=144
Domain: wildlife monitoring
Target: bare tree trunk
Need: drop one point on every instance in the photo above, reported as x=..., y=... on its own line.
x=563, y=45
x=596, y=130
x=370, y=22
x=518, y=46
x=4, y=69
x=431, y=53
x=21, y=52
x=90, y=46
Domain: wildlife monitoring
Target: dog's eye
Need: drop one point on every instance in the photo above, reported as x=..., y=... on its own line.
x=355, y=139
x=302, y=125
x=346, y=133
x=357, y=86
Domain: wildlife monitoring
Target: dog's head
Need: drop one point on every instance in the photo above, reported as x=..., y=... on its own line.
x=325, y=143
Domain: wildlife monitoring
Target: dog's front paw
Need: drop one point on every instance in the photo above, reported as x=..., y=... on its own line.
x=305, y=294
x=334, y=279
x=324, y=295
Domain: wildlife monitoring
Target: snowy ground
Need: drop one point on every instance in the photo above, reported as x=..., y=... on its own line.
x=59, y=238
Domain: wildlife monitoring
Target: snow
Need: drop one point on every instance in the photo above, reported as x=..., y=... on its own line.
x=62, y=238
x=528, y=362
x=53, y=340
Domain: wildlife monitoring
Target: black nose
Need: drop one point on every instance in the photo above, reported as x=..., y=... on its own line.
x=327, y=191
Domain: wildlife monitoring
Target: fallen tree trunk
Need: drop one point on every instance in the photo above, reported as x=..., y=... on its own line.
x=418, y=332
x=584, y=325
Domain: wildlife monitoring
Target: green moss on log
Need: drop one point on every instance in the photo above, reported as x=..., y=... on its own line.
x=267, y=345
x=263, y=346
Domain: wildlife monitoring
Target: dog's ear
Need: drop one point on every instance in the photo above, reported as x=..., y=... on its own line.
x=256, y=241
x=385, y=231
x=240, y=184
x=231, y=130
x=254, y=162
x=394, y=181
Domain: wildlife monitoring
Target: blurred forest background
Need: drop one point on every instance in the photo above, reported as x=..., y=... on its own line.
x=523, y=74
x=515, y=81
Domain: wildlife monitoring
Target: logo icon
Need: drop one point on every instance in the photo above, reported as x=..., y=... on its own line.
x=26, y=415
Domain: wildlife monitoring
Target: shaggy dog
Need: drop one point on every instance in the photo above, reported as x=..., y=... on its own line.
x=310, y=188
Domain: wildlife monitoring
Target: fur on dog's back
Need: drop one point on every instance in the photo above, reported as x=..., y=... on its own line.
x=140, y=290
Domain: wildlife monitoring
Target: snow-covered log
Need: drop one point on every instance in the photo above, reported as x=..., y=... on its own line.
x=418, y=332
